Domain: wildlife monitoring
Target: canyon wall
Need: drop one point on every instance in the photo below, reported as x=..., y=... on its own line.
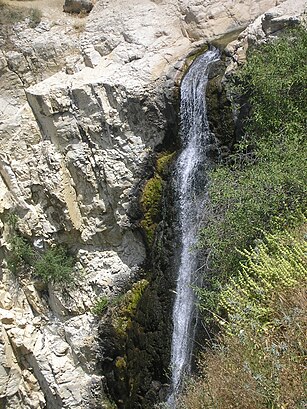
x=84, y=103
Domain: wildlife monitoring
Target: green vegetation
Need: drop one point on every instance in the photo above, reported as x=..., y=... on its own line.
x=21, y=254
x=258, y=361
x=152, y=194
x=100, y=306
x=150, y=203
x=274, y=265
x=126, y=305
x=54, y=265
x=256, y=289
x=261, y=186
x=164, y=161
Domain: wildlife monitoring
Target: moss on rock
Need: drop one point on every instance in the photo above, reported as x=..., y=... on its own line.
x=164, y=161
x=151, y=195
x=150, y=203
x=125, y=308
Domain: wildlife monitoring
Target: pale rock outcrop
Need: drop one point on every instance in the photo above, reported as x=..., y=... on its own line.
x=267, y=26
x=80, y=112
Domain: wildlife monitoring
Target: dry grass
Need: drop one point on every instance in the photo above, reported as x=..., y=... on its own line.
x=261, y=368
x=11, y=14
x=80, y=22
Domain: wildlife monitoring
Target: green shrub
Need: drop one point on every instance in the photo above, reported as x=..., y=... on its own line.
x=21, y=253
x=100, y=306
x=55, y=265
x=12, y=219
x=258, y=360
x=261, y=185
x=276, y=264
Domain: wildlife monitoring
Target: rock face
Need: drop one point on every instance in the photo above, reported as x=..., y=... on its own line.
x=80, y=113
x=267, y=26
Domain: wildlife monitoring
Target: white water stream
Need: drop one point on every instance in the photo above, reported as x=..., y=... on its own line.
x=190, y=182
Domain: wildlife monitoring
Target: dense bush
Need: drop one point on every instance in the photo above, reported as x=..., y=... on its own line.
x=261, y=185
x=21, y=253
x=54, y=265
x=258, y=361
x=256, y=286
x=275, y=264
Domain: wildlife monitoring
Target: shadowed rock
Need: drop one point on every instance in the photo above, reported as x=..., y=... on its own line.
x=78, y=6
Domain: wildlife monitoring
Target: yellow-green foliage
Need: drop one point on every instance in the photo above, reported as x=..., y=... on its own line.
x=152, y=194
x=259, y=360
x=276, y=264
x=163, y=162
x=150, y=202
x=101, y=305
x=126, y=307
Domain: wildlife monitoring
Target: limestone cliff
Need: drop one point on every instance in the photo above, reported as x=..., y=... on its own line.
x=83, y=104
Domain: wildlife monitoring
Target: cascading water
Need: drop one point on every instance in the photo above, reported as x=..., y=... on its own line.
x=190, y=185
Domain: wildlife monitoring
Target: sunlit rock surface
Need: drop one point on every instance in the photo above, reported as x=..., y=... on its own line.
x=83, y=101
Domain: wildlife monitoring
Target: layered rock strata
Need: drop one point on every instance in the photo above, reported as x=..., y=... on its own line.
x=83, y=103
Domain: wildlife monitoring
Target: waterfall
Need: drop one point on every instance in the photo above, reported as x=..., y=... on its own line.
x=190, y=180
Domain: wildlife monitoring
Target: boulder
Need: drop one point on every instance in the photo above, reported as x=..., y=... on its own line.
x=78, y=6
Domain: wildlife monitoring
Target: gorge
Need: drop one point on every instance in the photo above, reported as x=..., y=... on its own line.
x=89, y=138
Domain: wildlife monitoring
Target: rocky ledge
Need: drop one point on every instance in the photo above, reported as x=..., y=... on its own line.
x=83, y=104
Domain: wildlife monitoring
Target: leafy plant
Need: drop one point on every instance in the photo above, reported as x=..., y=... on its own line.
x=277, y=263
x=101, y=305
x=54, y=265
x=261, y=185
x=21, y=252
x=256, y=293
x=258, y=360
